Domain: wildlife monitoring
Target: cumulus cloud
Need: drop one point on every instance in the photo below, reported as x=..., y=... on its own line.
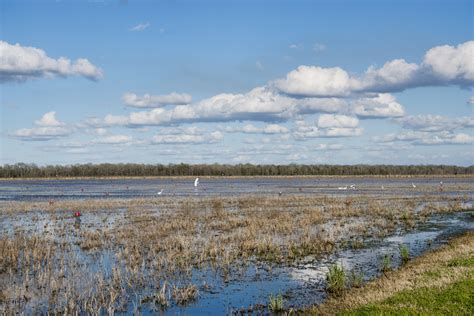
x=327, y=147
x=46, y=128
x=152, y=101
x=451, y=64
x=191, y=138
x=331, y=120
x=316, y=82
x=259, y=104
x=20, y=63
x=140, y=27
x=41, y=133
x=435, y=123
x=49, y=119
x=392, y=76
x=252, y=129
x=441, y=66
x=428, y=138
x=328, y=125
x=381, y=105
x=114, y=140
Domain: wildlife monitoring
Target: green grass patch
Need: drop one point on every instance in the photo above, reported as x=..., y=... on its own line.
x=455, y=299
x=461, y=262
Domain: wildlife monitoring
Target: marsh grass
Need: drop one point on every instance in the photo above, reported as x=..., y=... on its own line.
x=153, y=241
x=386, y=264
x=275, y=303
x=336, y=280
x=404, y=254
x=356, y=279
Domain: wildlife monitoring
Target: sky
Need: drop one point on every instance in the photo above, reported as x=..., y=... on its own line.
x=264, y=82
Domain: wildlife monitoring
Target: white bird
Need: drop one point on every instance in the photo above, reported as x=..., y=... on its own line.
x=342, y=188
x=413, y=185
x=353, y=186
x=382, y=187
x=196, y=182
x=160, y=192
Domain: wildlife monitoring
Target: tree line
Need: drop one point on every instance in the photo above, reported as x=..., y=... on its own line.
x=22, y=170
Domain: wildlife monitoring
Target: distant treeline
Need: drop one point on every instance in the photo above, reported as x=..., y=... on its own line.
x=22, y=170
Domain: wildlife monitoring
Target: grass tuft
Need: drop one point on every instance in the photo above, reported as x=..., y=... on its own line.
x=336, y=278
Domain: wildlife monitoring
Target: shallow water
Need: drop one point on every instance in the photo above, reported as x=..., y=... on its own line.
x=29, y=190
x=249, y=287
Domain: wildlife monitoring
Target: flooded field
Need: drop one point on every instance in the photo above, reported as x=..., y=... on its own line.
x=29, y=190
x=226, y=246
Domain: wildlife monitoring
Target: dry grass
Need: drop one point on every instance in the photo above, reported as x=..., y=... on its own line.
x=155, y=244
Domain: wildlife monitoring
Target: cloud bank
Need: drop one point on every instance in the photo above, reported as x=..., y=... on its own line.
x=21, y=63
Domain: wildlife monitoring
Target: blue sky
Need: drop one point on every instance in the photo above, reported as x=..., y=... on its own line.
x=237, y=81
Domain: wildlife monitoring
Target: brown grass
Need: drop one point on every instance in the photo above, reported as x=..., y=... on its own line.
x=162, y=240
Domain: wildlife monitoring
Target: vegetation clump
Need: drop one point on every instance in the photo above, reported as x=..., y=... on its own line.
x=336, y=278
x=275, y=303
x=404, y=254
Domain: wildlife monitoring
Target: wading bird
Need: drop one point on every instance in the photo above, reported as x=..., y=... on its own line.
x=160, y=192
x=342, y=188
x=196, y=182
x=413, y=185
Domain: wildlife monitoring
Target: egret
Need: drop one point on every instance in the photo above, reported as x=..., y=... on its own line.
x=353, y=186
x=196, y=182
x=160, y=192
x=342, y=188
x=413, y=185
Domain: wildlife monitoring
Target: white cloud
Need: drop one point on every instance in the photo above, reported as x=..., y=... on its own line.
x=470, y=101
x=21, y=63
x=316, y=82
x=435, y=123
x=47, y=127
x=259, y=104
x=394, y=75
x=452, y=64
x=331, y=120
x=141, y=27
x=326, y=147
x=100, y=131
x=259, y=65
x=381, y=105
x=442, y=65
x=328, y=126
x=252, y=129
x=49, y=119
x=114, y=140
x=191, y=138
x=41, y=133
x=151, y=101
x=427, y=138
